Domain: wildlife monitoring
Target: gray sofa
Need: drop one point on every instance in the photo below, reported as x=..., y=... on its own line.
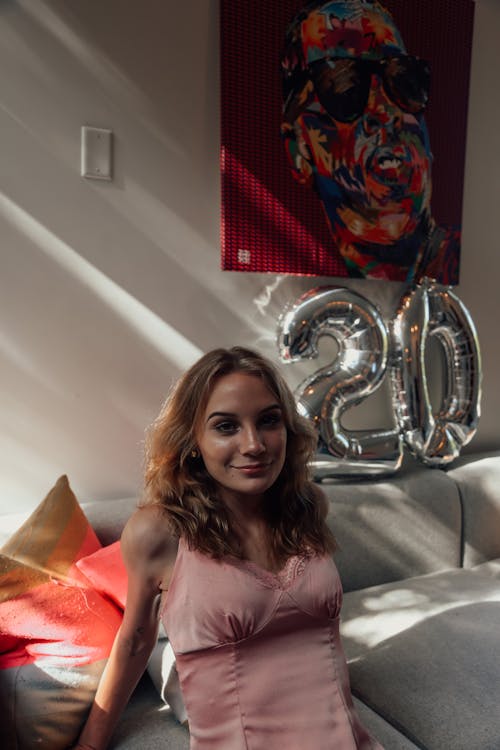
x=419, y=557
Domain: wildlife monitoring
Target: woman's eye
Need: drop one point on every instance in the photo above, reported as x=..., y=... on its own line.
x=271, y=420
x=226, y=428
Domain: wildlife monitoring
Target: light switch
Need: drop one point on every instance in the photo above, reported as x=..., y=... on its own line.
x=97, y=153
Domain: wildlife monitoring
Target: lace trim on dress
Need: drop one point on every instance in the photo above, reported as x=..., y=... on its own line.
x=282, y=579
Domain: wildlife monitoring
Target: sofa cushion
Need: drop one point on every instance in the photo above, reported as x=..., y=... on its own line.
x=106, y=572
x=55, y=535
x=390, y=529
x=163, y=672
x=147, y=724
x=387, y=735
x=478, y=482
x=55, y=630
x=423, y=653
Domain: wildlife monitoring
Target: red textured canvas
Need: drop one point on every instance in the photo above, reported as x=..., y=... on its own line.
x=269, y=222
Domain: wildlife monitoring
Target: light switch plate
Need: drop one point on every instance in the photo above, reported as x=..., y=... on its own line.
x=97, y=153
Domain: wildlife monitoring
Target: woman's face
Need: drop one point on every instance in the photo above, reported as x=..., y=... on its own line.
x=242, y=437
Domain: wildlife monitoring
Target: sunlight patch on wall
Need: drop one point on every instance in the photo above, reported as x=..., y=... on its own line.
x=160, y=335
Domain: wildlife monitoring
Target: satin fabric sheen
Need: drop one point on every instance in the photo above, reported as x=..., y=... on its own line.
x=259, y=656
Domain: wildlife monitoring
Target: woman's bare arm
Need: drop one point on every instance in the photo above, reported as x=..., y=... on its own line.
x=148, y=549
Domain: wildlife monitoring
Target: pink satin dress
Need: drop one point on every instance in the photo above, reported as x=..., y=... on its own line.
x=258, y=654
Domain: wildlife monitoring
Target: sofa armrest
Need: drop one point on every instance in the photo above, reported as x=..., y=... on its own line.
x=478, y=482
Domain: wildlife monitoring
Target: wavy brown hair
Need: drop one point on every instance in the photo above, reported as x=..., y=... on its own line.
x=178, y=482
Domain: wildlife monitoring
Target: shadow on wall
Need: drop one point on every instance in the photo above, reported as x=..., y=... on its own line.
x=109, y=290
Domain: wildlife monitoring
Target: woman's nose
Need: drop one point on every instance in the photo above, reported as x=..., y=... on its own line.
x=381, y=112
x=251, y=441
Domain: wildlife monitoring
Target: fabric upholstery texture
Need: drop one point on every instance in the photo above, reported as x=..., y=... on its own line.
x=388, y=736
x=148, y=724
x=479, y=485
x=56, y=631
x=394, y=528
x=423, y=653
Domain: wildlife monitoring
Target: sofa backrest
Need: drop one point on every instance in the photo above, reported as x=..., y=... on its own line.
x=390, y=529
x=419, y=521
x=478, y=482
x=108, y=517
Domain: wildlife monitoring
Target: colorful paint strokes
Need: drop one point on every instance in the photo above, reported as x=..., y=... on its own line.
x=329, y=170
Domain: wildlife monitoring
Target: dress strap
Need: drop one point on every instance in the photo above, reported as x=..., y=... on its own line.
x=167, y=579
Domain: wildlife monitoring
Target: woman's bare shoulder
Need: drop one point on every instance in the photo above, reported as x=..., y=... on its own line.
x=148, y=534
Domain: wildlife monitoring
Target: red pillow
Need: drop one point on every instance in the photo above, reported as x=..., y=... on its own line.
x=106, y=571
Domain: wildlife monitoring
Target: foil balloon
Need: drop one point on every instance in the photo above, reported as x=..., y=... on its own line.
x=355, y=373
x=432, y=310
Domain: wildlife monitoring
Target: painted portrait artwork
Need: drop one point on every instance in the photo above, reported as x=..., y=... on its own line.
x=343, y=128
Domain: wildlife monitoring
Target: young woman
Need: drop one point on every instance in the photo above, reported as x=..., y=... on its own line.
x=230, y=549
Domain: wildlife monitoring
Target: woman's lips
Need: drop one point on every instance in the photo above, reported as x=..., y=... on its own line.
x=251, y=469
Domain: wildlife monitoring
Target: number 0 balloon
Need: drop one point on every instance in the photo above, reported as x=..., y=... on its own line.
x=431, y=310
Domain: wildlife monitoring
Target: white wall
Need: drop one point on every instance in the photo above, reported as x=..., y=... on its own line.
x=109, y=290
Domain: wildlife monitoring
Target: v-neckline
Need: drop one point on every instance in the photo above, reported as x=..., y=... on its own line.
x=294, y=566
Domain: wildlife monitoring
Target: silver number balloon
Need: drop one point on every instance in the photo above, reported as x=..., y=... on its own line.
x=433, y=310
x=356, y=373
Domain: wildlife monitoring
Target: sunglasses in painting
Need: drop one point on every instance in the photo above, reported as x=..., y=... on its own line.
x=342, y=84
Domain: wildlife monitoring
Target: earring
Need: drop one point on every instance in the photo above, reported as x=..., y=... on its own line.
x=194, y=453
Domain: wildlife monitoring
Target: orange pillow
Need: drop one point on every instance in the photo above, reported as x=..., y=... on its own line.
x=56, y=630
x=106, y=571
